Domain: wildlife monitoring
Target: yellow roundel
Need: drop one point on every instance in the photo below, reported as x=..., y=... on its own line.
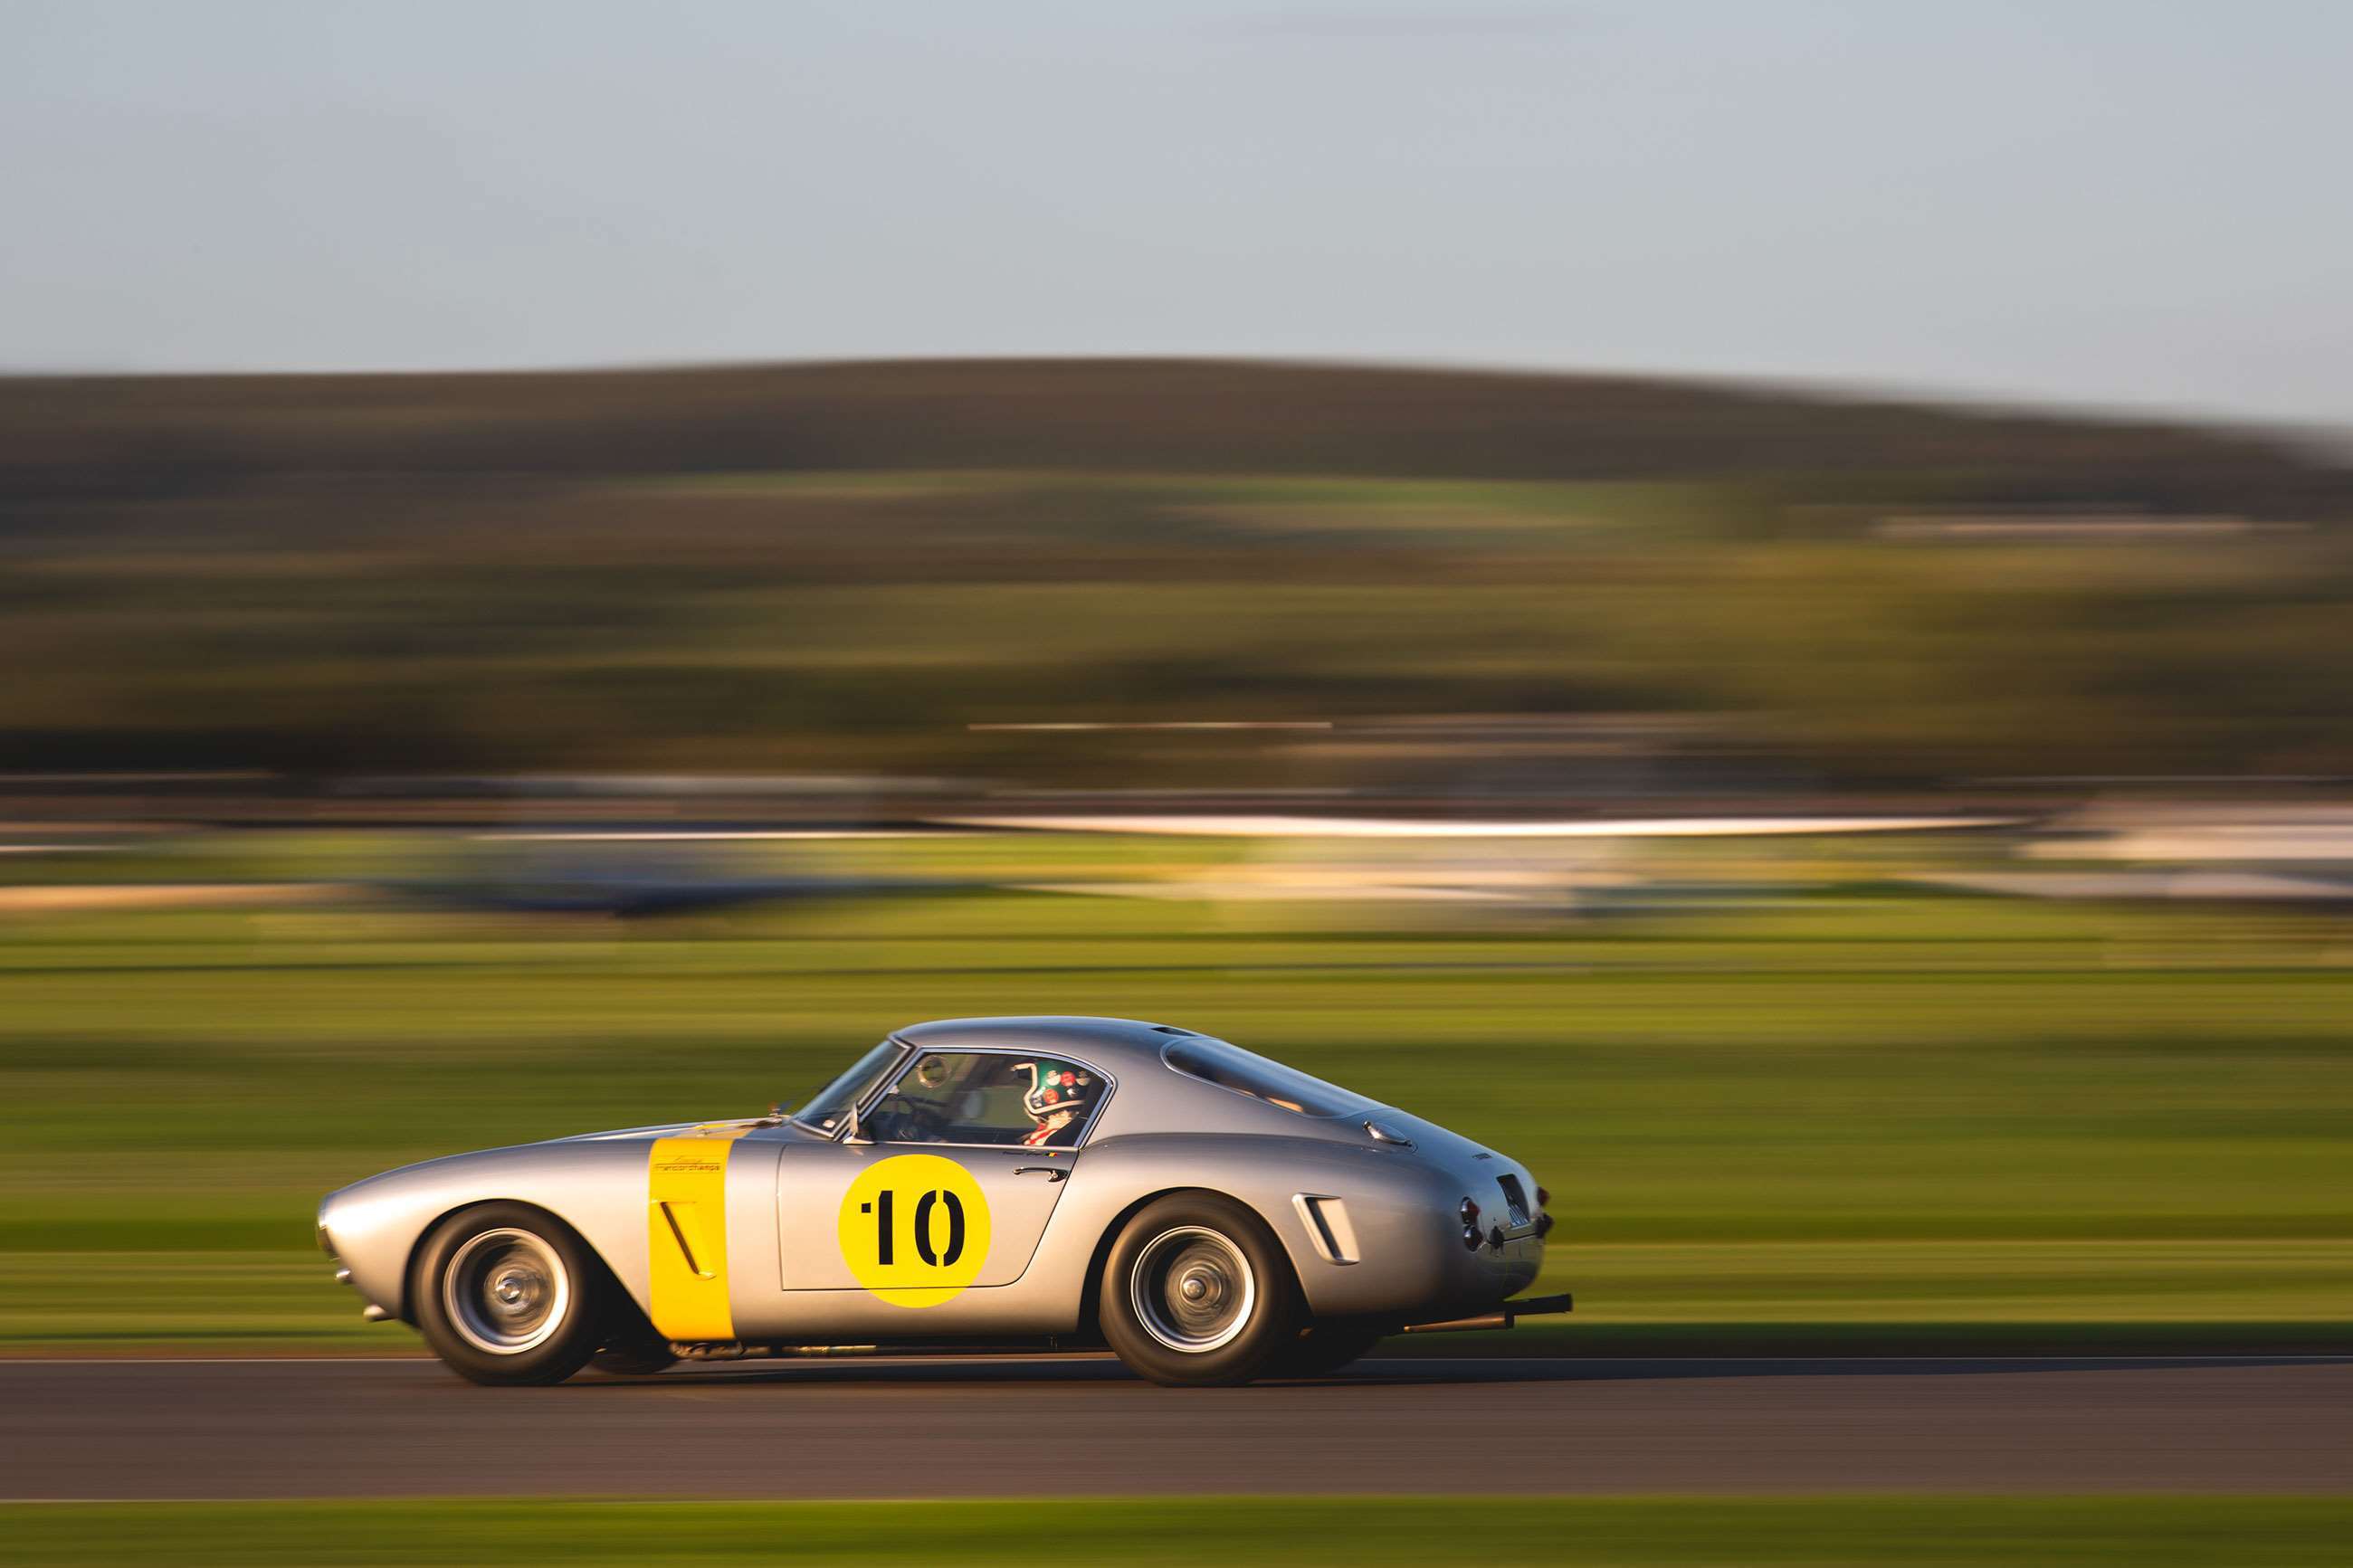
x=914, y=1229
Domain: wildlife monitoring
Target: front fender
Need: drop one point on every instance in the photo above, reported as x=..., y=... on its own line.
x=597, y=1187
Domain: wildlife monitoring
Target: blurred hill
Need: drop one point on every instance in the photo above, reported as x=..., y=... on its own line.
x=829, y=567
x=63, y=438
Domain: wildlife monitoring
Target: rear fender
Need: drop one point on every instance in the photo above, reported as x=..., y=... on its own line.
x=1392, y=1203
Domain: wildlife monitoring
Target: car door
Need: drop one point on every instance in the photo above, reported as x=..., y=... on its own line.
x=947, y=1185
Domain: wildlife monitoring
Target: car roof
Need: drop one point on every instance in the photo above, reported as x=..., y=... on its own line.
x=1117, y=1040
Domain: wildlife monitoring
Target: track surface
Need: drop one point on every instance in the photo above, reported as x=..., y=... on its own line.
x=1074, y=1423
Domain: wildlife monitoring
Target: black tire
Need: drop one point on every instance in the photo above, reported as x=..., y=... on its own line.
x=506, y=1293
x=1246, y=1309
x=1324, y=1348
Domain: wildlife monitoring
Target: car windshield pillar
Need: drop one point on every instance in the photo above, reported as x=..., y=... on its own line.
x=829, y=1109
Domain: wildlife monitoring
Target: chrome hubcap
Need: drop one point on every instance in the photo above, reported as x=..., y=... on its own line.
x=1192, y=1289
x=505, y=1292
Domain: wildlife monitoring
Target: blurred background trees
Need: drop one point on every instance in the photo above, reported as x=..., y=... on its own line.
x=844, y=567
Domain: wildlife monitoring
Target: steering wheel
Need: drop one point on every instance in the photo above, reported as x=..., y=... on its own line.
x=902, y=1121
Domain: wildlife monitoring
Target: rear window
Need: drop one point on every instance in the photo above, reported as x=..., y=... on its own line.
x=1246, y=1072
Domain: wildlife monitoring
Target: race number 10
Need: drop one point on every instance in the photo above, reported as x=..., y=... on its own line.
x=913, y=1229
x=938, y=1201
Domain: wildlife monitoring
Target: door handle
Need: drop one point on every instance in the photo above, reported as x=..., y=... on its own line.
x=1051, y=1172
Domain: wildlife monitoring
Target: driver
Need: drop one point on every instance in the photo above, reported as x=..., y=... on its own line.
x=1058, y=1099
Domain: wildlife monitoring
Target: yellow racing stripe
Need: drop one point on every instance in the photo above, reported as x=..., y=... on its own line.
x=686, y=1234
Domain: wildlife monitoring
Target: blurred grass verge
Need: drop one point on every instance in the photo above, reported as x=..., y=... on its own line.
x=1496, y=1531
x=1835, y=1123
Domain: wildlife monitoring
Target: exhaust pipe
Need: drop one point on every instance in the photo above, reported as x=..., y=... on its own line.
x=710, y=1350
x=1455, y=1325
x=1509, y=1314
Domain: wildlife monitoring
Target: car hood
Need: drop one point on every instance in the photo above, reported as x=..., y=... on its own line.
x=670, y=1130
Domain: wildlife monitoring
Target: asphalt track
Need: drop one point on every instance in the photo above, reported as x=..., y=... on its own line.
x=120, y=1428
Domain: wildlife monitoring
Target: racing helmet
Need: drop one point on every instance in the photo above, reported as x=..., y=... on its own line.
x=1058, y=1092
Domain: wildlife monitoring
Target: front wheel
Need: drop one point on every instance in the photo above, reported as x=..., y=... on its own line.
x=1196, y=1293
x=507, y=1294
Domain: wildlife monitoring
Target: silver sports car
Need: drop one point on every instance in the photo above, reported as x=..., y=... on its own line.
x=1213, y=1216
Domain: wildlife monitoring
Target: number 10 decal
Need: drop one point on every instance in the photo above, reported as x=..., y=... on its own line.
x=914, y=1229
x=947, y=1202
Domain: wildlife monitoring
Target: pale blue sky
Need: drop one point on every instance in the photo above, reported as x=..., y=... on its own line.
x=2075, y=200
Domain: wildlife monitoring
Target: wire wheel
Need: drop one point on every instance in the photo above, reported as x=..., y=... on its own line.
x=1192, y=1289
x=506, y=1290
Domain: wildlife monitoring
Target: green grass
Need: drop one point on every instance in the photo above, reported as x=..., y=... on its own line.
x=1496, y=1532
x=1858, y=1109
x=1696, y=1296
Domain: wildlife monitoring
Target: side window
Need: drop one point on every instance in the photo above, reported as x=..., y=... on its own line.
x=975, y=1096
x=1247, y=1072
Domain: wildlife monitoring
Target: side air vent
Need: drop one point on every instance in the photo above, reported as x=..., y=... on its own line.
x=1328, y=1229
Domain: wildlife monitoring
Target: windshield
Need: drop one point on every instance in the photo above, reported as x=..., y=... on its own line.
x=833, y=1102
x=1246, y=1072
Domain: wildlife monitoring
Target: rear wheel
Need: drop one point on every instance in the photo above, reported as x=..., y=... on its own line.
x=507, y=1294
x=1326, y=1347
x=1196, y=1293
